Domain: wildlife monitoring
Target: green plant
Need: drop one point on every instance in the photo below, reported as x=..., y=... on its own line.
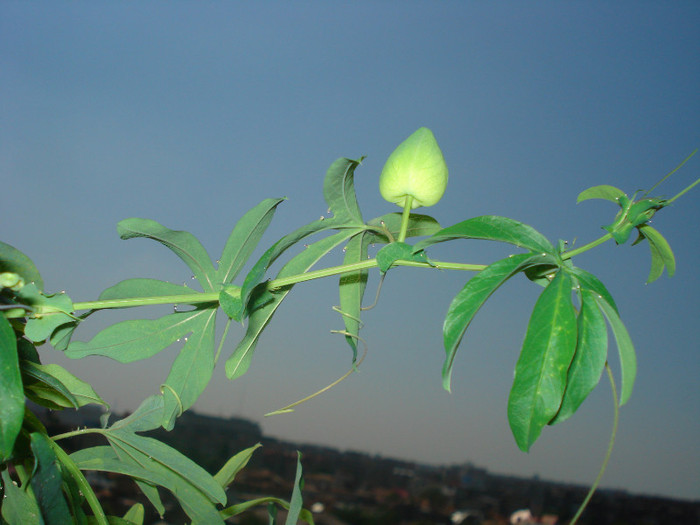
x=561, y=361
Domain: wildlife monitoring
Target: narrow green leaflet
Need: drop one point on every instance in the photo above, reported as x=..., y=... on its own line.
x=474, y=294
x=244, y=238
x=339, y=191
x=14, y=261
x=19, y=507
x=604, y=191
x=625, y=348
x=661, y=253
x=183, y=244
x=53, y=385
x=146, y=417
x=589, y=359
x=47, y=483
x=397, y=251
x=233, y=466
x=11, y=391
x=492, y=228
x=541, y=370
x=135, y=514
x=590, y=282
x=351, y=289
x=271, y=502
x=137, y=339
x=141, y=287
x=295, y=502
x=192, y=369
x=268, y=301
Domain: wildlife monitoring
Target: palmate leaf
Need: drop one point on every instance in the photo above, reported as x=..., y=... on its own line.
x=266, y=302
x=418, y=226
x=183, y=244
x=474, y=294
x=661, y=253
x=339, y=192
x=132, y=462
x=541, y=371
x=11, y=390
x=492, y=228
x=589, y=359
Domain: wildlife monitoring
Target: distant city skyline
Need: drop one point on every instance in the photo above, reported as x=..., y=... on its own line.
x=191, y=113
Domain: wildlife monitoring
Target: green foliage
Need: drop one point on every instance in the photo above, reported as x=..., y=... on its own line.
x=564, y=352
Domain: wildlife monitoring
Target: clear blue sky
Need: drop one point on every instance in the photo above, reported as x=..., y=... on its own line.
x=190, y=113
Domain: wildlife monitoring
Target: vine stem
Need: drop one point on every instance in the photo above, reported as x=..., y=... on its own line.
x=577, y=251
x=611, y=444
x=213, y=297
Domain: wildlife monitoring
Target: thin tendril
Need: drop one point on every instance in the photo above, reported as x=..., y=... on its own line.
x=290, y=408
x=611, y=443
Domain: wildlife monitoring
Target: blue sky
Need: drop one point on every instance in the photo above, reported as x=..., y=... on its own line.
x=191, y=113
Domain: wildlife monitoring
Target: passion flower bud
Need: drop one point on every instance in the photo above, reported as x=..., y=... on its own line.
x=415, y=169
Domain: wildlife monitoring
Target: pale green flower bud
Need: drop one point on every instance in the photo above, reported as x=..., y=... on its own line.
x=12, y=281
x=417, y=169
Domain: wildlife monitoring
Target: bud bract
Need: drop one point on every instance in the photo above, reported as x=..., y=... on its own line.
x=417, y=169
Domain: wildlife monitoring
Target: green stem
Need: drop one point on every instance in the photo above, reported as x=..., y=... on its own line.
x=572, y=253
x=83, y=484
x=611, y=444
x=405, y=218
x=213, y=297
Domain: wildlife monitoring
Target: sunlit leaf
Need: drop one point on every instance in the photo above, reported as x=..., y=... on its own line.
x=11, y=391
x=474, y=294
x=589, y=359
x=625, y=348
x=492, y=228
x=541, y=370
x=183, y=244
x=604, y=191
x=59, y=385
x=48, y=312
